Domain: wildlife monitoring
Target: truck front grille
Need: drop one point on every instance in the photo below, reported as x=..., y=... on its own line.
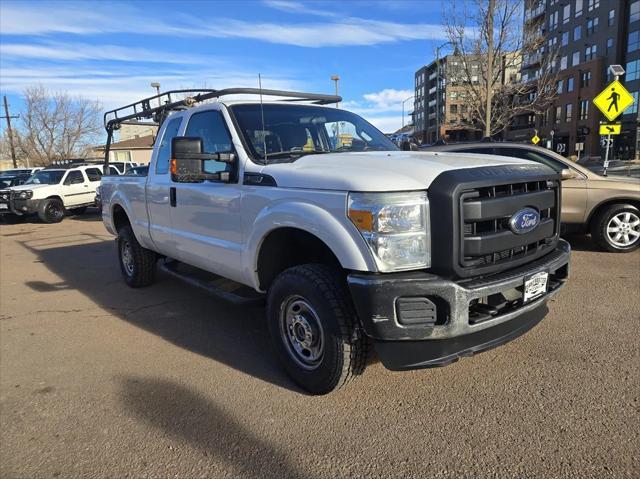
x=485, y=212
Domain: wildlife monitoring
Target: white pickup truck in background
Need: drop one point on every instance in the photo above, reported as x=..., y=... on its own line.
x=426, y=256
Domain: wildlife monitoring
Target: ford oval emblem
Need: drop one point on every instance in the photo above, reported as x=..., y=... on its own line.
x=523, y=221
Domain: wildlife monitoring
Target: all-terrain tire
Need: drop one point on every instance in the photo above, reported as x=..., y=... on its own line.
x=51, y=210
x=320, y=292
x=137, y=264
x=610, y=224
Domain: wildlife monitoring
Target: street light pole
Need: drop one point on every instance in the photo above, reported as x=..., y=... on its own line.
x=336, y=79
x=156, y=85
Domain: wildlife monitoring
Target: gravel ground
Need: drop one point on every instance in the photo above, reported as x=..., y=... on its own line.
x=99, y=380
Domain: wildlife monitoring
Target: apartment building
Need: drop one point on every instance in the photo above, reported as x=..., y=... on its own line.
x=586, y=36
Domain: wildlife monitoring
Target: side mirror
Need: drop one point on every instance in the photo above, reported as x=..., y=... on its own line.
x=568, y=174
x=187, y=161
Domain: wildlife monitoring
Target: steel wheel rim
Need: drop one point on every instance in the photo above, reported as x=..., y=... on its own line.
x=126, y=255
x=301, y=332
x=54, y=210
x=623, y=229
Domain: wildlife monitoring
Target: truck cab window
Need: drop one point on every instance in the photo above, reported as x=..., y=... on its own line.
x=211, y=127
x=164, y=150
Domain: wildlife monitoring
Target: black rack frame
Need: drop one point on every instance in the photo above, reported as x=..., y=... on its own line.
x=142, y=110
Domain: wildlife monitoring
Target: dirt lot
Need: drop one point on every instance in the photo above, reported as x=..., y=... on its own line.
x=99, y=380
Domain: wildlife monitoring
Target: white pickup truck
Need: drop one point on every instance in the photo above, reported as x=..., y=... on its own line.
x=428, y=257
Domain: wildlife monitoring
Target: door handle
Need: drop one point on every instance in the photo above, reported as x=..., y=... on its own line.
x=172, y=196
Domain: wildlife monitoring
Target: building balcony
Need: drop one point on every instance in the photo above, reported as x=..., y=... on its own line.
x=534, y=14
x=531, y=60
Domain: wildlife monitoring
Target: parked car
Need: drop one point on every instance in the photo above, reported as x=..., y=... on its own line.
x=7, y=181
x=138, y=171
x=350, y=244
x=20, y=171
x=607, y=207
x=53, y=191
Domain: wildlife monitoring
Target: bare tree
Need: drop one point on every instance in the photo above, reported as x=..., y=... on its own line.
x=488, y=37
x=57, y=126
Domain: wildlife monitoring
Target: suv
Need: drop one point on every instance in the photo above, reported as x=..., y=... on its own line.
x=351, y=241
x=52, y=191
x=608, y=207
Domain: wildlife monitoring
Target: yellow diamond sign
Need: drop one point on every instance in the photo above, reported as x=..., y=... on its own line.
x=535, y=140
x=613, y=100
x=610, y=129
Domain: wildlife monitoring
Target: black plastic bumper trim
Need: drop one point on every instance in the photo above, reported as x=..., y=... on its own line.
x=407, y=355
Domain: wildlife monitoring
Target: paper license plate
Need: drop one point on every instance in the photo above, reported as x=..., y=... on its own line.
x=4, y=206
x=535, y=285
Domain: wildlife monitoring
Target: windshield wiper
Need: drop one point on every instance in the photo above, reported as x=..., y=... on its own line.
x=297, y=153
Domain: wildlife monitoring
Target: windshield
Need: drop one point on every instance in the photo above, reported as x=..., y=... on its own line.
x=46, y=177
x=291, y=131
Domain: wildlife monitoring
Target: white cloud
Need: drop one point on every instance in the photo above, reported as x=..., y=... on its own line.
x=386, y=124
x=388, y=98
x=81, y=51
x=81, y=19
x=297, y=7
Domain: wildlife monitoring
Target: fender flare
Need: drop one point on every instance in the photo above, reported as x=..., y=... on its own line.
x=342, y=238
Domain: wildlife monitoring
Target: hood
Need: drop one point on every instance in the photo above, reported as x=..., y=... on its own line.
x=29, y=187
x=377, y=170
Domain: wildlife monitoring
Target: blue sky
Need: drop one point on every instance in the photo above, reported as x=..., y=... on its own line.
x=111, y=51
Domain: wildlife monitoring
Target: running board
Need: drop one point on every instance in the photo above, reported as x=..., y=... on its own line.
x=215, y=285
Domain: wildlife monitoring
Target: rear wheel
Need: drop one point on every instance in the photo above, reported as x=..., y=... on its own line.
x=137, y=264
x=51, y=210
x=617, y=228
x=314, y=328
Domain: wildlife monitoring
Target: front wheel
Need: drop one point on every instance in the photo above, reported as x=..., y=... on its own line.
x=137, y=264
x=51, y=210
x=314, y=329
x=617, y=228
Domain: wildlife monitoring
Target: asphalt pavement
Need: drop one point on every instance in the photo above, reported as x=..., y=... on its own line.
x=99, y=380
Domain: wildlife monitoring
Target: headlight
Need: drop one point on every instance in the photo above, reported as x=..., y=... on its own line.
x=25, y=194
x=395, y=226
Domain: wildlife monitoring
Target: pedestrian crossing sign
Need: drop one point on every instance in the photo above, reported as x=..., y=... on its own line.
x=613, y=100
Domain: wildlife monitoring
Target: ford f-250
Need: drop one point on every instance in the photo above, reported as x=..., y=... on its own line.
x=426, y=256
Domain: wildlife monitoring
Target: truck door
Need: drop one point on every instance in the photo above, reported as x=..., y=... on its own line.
x=75, y=189
x=206, y=217
x=158, y=192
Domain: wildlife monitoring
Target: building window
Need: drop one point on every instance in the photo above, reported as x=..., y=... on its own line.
x=568, y=113
x=634, y=41
x=609, y=44
x=563, y=63
x=566, y=14
x=592, y=26
x=584, y=110
x=463, y=109
x=585, y=79
x=593, y=4
x=612, y=17
x=553, y=21
x=633, y=71
x=590, y=52
x=634, y=12
x=578, y=10
x=453, y=109
x=558, y=117
x=559, y=85
x=565, y=39
x=569, y=84
x=577, y=33
x=576, y=58
x=633, y=108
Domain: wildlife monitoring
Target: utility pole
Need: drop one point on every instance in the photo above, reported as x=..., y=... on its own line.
x=8, y=118
x=490, y=55
x=336, y=79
